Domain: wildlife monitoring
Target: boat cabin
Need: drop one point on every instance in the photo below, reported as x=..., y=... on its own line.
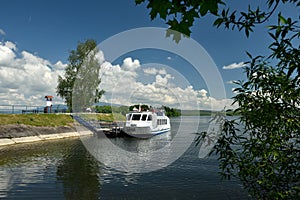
x=146, y=122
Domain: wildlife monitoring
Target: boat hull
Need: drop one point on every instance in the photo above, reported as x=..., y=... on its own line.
x=143, y=132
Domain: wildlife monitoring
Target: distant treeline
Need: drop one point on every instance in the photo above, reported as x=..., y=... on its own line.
x=143, y=107
x=110, y=109
x=170, y=112
x=228, y=112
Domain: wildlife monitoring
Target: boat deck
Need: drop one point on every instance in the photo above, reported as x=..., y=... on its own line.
x=108, y=129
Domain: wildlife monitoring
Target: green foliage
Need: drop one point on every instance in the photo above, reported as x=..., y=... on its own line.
x=171, y=112
x=110, y=117
x=36, y=119
x=80, y=81
x=267, y=157
x=123, y=110
x=143, y=107
x=103, y=109
x=265, y=154
x=103, y=117
x=180, y=15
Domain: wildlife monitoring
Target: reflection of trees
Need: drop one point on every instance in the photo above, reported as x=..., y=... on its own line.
x=79, y=173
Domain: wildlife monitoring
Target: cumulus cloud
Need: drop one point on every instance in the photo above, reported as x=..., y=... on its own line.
x=150, y=71
x=154, y=71
x=2, y=32
x=202, y=93
x=11, y=45
x=122, y=87
x=163, y=80
x=7, y=54
x=131, y=65
x=100, y=57
x=27, y=78
x=59, y=65
x=235, y=65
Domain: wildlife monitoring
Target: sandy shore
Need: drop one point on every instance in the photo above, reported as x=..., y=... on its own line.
x=15, y=133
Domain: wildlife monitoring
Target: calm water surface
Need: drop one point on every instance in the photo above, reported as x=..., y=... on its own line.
x=64, y=169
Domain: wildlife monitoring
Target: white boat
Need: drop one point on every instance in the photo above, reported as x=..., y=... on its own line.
x=146, y=124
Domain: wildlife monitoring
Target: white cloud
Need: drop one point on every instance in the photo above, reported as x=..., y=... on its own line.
x=11, y=45
x=27, y=78
x=154, y=71
x=7, y=54
x=150, y=71
x=122, y=87
x=202, y=93
x=162, y=71
x=235, y=65
x=59, y=65
x=131, y=65
x=163, y=80
x=2, y=32
x=100, y=57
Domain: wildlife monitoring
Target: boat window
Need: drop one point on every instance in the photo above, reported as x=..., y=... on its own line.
x=159, y=113
x=136, y=117
x=144, y=117
x=128, y=116
x=162, y=121
x=149, y=118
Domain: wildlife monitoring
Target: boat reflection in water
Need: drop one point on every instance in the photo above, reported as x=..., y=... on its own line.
x=130, y=154
x=136, y=155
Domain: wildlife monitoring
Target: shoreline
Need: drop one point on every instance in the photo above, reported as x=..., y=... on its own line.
x=29, y=139
x=18, y=133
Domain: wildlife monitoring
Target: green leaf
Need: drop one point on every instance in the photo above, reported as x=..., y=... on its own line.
x=247, y=32
x=212, y=7
x=139, y=1
x=282, y=19
x=272, y=27
x=218, y=22
x=203, y=9
x=249, y=55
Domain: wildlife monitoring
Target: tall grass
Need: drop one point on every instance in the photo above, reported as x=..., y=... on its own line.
x=36, y=119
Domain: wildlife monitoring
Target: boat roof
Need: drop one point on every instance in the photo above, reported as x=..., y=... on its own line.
x=157, y=112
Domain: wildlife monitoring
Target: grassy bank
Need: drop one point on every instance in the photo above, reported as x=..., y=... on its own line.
x=110, y=117
x=52, y=120
x=106, y=117
x=36, y=119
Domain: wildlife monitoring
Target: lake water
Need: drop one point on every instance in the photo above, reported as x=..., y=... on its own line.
x=65, y=169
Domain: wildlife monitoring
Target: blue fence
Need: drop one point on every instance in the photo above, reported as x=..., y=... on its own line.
x=24, y=109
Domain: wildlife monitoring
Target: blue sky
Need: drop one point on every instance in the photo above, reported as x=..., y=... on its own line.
x=41, y=33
